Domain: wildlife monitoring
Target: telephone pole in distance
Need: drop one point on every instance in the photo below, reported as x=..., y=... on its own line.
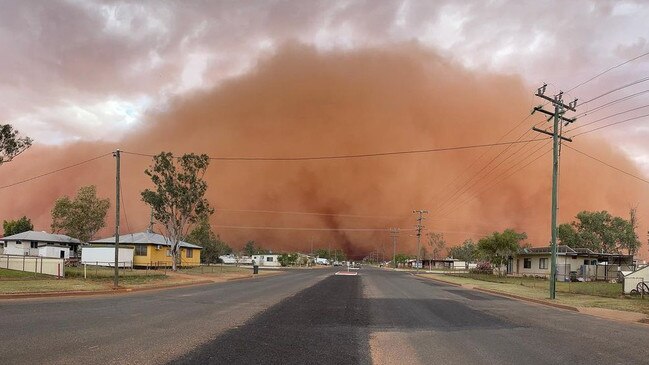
x=419, y=226
x=394, y=233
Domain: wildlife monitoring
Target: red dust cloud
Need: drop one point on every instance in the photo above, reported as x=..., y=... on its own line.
x=301, y=103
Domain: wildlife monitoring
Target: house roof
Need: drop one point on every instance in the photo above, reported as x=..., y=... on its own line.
x=563, y=250
x=42, y=237
x=144, y=238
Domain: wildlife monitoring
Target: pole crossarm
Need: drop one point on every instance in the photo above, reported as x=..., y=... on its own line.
x=551, y=134
x=551, y=114
x=557, y=99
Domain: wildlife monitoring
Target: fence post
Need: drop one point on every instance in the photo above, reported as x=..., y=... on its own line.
x=23, y=262
x=85, y=271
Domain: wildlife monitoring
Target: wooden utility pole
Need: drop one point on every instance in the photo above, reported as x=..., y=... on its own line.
x=394, y=233
x=419, y=226
x=116, y=154
x=558, y=119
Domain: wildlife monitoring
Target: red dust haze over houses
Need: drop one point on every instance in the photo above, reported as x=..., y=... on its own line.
x=301, y=102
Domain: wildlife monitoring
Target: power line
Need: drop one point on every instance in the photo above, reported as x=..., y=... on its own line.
x=608, y=70
x=609, y=165
x=55, y=171
x=503, y=176
x=644, y=79
x=309, y=228
x=606, y=117
x=610, y=103
x=363, y=155
x=310, y=213
x=612, y=124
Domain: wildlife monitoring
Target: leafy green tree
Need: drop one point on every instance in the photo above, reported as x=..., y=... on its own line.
x=249, y=249
x=178, y=200
x=11, y=145
x=322, y=253
x=288, y=259
x=437, y=244
x=499, y=247
x=600, y=232
x=401, y=258
x=12, y=227
x=82, y=216
x=213, y=246
x=467, y=251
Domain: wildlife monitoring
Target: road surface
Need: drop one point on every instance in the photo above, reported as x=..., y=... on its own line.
x=314, y=317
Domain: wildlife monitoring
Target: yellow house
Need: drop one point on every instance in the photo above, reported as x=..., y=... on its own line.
x=154, y=250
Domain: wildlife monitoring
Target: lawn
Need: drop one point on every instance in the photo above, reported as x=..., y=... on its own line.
x=579, y=295
x=6, y=274
x=215, y=269
x=595, y=288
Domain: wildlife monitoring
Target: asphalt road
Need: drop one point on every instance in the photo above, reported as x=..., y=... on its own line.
x=312, y=317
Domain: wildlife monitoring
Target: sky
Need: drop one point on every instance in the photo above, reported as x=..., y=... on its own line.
x=103, y=72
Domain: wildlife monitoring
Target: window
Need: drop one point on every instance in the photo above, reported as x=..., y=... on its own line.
x=34, y=244
x=19, y=243
x=169, y=253
x=140, y=250
x=189, y=253
x=269, y=259
x=543, y=263
x=527, y=263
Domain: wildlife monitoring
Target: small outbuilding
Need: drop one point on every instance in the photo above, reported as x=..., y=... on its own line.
x=154, y=250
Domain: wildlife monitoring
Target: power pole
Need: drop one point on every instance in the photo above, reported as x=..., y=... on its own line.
x=559, y=121
x=419, y=226
x=116, y=154
x=394, y=233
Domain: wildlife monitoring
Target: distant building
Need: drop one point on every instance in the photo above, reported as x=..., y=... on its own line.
x=583, y=262
x=42, y=244
x=154, y=250
x=266, y=260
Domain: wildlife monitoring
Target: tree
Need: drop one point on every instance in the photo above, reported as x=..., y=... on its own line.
x=82, y=216
x=11, y=145
x=287, y=259
x=178, y=200
x=601, y=232
x=401, y=258
x=499, y=247
x=465, y=252
x=437, y=243
x=12, y=227
x=213, y=246
x=249, y=249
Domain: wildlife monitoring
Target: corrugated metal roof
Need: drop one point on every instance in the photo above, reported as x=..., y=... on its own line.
x=142, y=238
x=42, y=237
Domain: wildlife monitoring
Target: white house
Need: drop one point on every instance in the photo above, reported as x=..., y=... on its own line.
x=266, y=260
x=583, y=262
x=43, y=244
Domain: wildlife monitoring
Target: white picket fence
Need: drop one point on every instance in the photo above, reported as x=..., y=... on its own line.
x=35, y=264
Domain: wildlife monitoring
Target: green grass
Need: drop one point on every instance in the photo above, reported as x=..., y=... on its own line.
x=6, y=274
x=594, y=288
x=539, y=290
x=215, y=269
